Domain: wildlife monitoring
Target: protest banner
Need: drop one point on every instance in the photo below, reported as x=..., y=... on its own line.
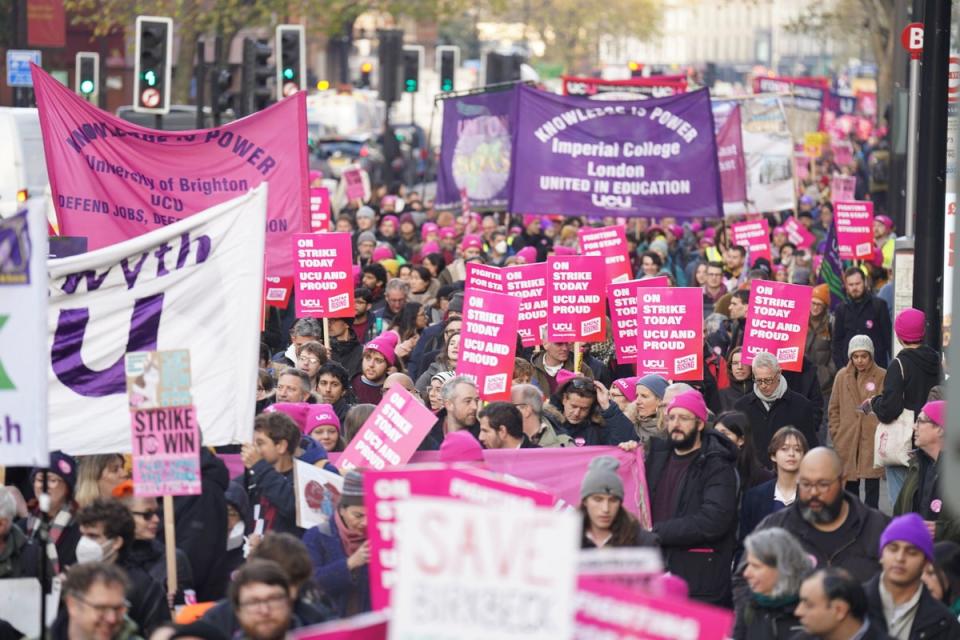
x=777, y=322
x=812, y=145
x=634, y=567
x=843, y=188
x=754, y=236
x=488, y=340
x=520, y=563
x=323, y=275
x=670, y=332
x=606, y=610
x=318, y=493
x=730, y=158
x=575, y=299
x=798, y=234
x=319, y=209
x=363, y=626
x=475, y=151
x=20, y=604
x=384, y=489
x=113, y=180
x=356, y=183
x=842, y=152
x=482, y=277
x=854, y=224
x=190, y=285
x=804, y=104
x=23, y=339
x=576, y=156
x=767, y=154
x=391, y=434
x=277, y=291
x=635, y=88
x=529, y=282
x=623, y=314
x=164, y=433
x=611, y=243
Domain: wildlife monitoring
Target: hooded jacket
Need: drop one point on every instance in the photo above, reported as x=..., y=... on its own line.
x=698, y=542
x=908, y=389
x=349, y=352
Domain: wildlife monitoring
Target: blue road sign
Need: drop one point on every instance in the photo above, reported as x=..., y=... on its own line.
x=18, y=66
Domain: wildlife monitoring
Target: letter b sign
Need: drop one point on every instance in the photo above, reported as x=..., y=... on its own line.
x=912, y=39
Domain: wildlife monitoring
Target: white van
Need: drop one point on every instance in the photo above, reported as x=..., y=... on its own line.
x=23, y=170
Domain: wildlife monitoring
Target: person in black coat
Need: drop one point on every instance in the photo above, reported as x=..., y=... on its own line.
x=833, y=605
x=581, y=408
x=862, y=313
x=692, y=481
x=806, y=383
x=345, y=347
x=772, y=405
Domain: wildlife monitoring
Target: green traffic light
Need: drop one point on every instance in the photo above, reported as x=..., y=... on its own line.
x=86, y=87
x=150, y=77
x=287, y=73
x=411, y=86
x=446, y=86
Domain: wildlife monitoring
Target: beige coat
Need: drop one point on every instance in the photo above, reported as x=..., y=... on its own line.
x=851, y=430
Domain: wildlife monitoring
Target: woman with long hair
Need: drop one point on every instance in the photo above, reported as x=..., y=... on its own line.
x=741, y=380
x=606, y=523
x=98, y=476
x=736, y=426
x=64, y=534
x=423, y=286
x=446, y=361
x=408, y=325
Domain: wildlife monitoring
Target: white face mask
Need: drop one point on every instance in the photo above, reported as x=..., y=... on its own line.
x=88, y=550
x=235, y=537
x=501, y=247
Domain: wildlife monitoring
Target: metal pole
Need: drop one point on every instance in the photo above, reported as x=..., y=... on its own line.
x=43, y=502
x=910, y=206
x=201, y=77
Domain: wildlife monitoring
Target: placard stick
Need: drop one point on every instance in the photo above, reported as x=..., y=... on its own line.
x=170, y=542
x=326, y=335
x=577, y=357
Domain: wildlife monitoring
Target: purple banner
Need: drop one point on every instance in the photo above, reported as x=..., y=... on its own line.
x=475, y=151
x=575, y=156
x=733, y=172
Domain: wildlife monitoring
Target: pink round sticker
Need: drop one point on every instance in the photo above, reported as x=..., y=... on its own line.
x=871, y=386
x=936, y=505
x=579, y=442
x=869, y=324
x=64, y=466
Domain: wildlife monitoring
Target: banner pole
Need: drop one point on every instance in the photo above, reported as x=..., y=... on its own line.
x=170, y=544
x=326, y=335
x=577, y=357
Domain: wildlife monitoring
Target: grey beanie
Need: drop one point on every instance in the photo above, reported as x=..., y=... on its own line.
x=366, y=212
x=860, y=343
x=655, y=383
x=367, y=236
x=456, y=303
x=601, y=477
x=352, y=494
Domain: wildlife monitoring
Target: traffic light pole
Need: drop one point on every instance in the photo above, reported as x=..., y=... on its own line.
x=201, y=80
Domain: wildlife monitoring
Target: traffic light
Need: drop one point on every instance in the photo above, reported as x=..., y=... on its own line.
x=257, y=73
x=87, y=75
x=223, y=98
x=291, y=60
x=152, y=64
x=499, y=68
x=448, y=59
x=390, y=54
x=636, y=69
x=412, y=59
x=365, y=70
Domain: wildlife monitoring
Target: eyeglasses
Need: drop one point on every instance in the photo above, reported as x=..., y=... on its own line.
x=273, y=602
x=308, y=360
x=104, y=609
x=583, y=384
x=147, y=515
x=821, y=485
x=766, y=381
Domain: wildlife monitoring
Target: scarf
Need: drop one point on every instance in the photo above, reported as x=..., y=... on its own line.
x=773, y=397
x=769, y=602
x=60, y=522
x=351, y=540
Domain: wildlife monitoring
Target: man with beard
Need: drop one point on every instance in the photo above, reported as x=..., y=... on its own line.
x=461, y=401
x=862, y=313
x=898, y=601
x=260, y=594
x=692, y=480
x=833, y=526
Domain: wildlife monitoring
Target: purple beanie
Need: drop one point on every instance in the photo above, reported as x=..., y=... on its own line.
x=910, y=528
x=910, y=325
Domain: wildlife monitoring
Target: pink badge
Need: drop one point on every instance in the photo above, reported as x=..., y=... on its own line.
x=64, y=466
x=579, y=442
x=869, y=324
x=936, y=505
x=871, y=386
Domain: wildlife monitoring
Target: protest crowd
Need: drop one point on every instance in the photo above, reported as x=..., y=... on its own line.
x=761, y=487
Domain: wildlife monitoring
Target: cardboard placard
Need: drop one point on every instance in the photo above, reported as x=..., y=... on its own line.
x=323, y=275
x=843, y=188
x=854, y=224
x=754, y=236
x=529, y=283
x=798, y=234
x=670, y=332
x=777, y=322
x=488, y=340
x=391, y=434
x=318, y=493
x=576, y=299
x=319, y=209
x=623, y=314
x=611, y=243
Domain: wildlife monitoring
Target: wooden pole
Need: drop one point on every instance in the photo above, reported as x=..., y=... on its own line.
x=170, y=543
x=577, y=357
x=326, y=335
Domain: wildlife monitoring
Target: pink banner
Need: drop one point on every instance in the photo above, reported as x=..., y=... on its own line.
x=319, y=209
x=843, y=152
x=113, y=180
x=842, y=188
x=383, y=488
x=733, y=171
x=754, y=236
x=670, y=332
x=575, y=299
x=611, y=611
x=391, y=434
x=854, y=224
x=777, y=322
x=611, y=243
x=323, y=275
x=623, y=315
x=364, y=626
x=484, y=278
x=798, y=234
x=355, y=189
x=529, y=282
x=488, y=339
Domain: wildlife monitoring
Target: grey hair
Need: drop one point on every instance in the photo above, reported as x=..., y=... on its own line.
x=713, y=321
x=675, y=389
x=310, y=327
x=302, y=375
x=8, y=505
x=766, y=360
x=531, y=396
x=450, y=386
x=396, y=284
x=777, y=548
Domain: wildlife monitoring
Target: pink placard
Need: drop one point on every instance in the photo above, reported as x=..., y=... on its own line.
x=575, y=299
x=777, y=322
x=323, y=275
x=611, y=243
x=383, y=488
x=623, y=314
x=113, y=180
x=391, y=434
x=854, y=224
x=166, y=451
x=353, y=179
x=754, y=236
x=842, y=188
x=364, y=626
x=488, y=339
x=670, y=332
x=484, y=278
x=843, y=152
x=798, y=234
x=610, y=611
x=529, y=283
x=319, y=209
x=277, y=290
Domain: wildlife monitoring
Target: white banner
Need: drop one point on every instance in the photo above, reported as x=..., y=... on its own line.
x=768, y=154
x=23, y=360
x=197, y=285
